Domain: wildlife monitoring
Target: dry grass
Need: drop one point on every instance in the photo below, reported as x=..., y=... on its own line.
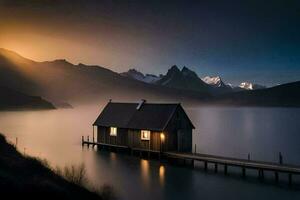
x=74, y=174
x=77, y=174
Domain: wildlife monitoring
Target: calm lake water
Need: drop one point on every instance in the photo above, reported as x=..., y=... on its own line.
x=262, y=132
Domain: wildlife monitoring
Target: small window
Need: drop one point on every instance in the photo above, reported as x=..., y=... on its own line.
x=145, y=135
x=113, y=131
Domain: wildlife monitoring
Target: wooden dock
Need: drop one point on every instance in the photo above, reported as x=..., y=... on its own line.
x=217, y=161
x=244, y=164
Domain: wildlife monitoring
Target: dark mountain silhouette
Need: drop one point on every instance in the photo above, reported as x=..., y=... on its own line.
x=61, y=81
x=10, y=99
x=283, y=95
x=184, y=79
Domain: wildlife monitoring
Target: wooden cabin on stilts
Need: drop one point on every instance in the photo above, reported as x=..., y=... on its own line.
x=143, y=126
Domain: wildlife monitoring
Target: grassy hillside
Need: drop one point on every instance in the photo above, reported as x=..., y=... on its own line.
x=24, y=177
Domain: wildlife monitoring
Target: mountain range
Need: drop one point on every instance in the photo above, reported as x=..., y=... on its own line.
x=61, y=81
x=175, y=76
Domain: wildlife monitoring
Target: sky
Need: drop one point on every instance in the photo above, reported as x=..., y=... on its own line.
x=249, y=40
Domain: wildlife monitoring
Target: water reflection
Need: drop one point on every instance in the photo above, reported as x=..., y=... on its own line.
x=162, y=175
x=112, y=156
x=145, y=171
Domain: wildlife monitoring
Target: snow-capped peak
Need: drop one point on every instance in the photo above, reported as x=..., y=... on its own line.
x=215, y=81
x=246, y=86
x=134, y=74
x=251, y=86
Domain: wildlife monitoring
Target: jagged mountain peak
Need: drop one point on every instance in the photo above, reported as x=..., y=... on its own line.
x=187, y=72
x=137, y=75
x=213, y=80
x=173, y=70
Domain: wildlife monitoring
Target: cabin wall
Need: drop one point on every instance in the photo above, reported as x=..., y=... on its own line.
x=184, y=138
x=179, y=132
x=135, y=141
x=103, y=136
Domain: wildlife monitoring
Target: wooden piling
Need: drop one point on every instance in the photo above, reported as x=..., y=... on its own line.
x=244, y=172
x=290, y=179
x=261, y=174
x=205, y=165
x=276, y=177
x=216, y=167
x=192, y=163
x=225, y=169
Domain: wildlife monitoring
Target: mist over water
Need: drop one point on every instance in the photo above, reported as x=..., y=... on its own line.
x=229, y=131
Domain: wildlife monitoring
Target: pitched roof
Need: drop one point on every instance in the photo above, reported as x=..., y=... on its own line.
x=125, y=115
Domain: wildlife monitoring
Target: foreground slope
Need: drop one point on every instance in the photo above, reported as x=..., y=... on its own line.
x=26, y=178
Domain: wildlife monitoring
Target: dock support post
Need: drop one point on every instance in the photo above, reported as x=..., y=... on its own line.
x=225, y=169
x=82, y=140
x=261, y=174
x=276, y=177
x=290, y=179
x=216, y=167
x=193, y=163
x=205, y=165
x=244, y=172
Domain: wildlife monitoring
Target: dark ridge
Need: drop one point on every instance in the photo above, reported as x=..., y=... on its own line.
x=26, y=178
x=285, y=95
x=13, y=100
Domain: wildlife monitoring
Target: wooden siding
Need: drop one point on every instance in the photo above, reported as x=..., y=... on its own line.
x=179, y=132
x=135, y=141
x=103, y=135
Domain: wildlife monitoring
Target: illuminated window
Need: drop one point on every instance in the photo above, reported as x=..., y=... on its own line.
x=145, y=135
x=162, y=137
x=113, y=131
